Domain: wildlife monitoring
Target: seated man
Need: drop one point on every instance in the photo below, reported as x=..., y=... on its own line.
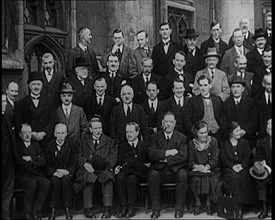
x=98, y=157
x=131, y=169
x=31, y=161
x=62, y=160
x=168, y=153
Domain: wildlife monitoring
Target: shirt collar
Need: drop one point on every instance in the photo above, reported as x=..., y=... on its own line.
x=237, y=99
x=46, y=72
x=260, y=51
x=135, y=142
x=80, y=79
x=169, y=135
x=177, y=99
x=209, y=70
x=216, y=41
x=84, y=48
x=59, y=144
x=27, y=144
x=165, y=41
x=11, y=101
x=267, y=94
x=179, y=71
x=155, y=102
x=69, y=107
x=37, y=96
x=126, y=106
x=145, y=77
x=100, y=97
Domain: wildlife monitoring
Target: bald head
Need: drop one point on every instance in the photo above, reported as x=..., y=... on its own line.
x=12, y=91
x=244, y=25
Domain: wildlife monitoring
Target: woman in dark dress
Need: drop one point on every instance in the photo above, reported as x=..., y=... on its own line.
x=236, y=161
x=203, y=163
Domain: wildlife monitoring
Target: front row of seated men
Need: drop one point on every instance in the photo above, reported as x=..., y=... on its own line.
x=66, y=167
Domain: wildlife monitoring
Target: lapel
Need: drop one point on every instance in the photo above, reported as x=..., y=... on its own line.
x=40, y=108
x=170, y=51
x=73, y=115
x=161, y=50
x=142, y=52
x=124, y=53
x=200, y=102
x=141, y=82
x=102, y=142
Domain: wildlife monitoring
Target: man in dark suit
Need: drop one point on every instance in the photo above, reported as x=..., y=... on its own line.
x=121, y=50
x=30, y=173
x=206, y=107
x=35, y=110
x=241, y=109
x=168, y=155
x=248, y=41
x=83, y=49
x=140, y=82
x=143, y=50
x=100, y=103
x=152, y=107
x=8, y=160
x=12, y=94
x=264, y=105
x=80, y=82
x=97, y=159
x=176, y=104
x=215, y=41
x=241, y=63
x=229, y=58
x=254, y=57
x=126, y=112
x=61, y=165
x=261, y=71
x=131, y=169
x=194, y=59
x=164, y=52
x=51, y=80
x=113, y=77
x=268, y=30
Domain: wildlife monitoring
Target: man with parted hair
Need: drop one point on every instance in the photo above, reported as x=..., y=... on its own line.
x=268, y=30
x=248, y=41
x=121, y=51
x=83, y=49
x=143, y=50
x=12, y=95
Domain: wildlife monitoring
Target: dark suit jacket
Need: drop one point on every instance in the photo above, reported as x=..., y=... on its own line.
x=264, y=150
x=210, y=43
x=193, y=63
x=9, y=110
x=92, y=108
x=139, y=86
x=248, y=42
x=132, y=159
x=119, y=120
x=194, y=111
x=229, y=59
x=37, y=166
x=257, y=87
x=82, y=92
x=264, y=114
x=248, y=78
x=135, y=61
x=66, y=158
x=38, y=118
x=124, y=62
x=163, y=63
x=254, y=60
x=245, y=115
x=159, y=145
x=268, y=39
x=90, y=57
x=51, y=89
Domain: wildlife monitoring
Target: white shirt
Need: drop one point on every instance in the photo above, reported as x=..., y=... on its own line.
x=49, y=77
x=35, y=101
x=10, y=101
x=84, y=48
x=180, y=73
x=269, y=32
x=69, y=108
x=266, y=97
x=27, y=144
x=81, y=80
x=100, y=97
x=240, y=50
x=59, y=145
x=210, y=72
x=135, y=142
x=166, y=46
x=237, y=100
x=110, y=74
x=155, y=103
x=179, y=99
x=245, y=35
x=216, y=41
x=145, y=77
x=125, y=107
x=168, y=135
x=260, y=51
x=240, y=74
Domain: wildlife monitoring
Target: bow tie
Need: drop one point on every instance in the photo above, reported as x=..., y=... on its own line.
x=165, y=43
x=35, y=98
x=206, y=97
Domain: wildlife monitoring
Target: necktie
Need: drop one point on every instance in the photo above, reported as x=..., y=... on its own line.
x=147, y=80
x=112, y=75
x=96, y=144
x=206, y=97
x=179, y=103
x=217, y=46
x=35, y=98
x=119, y=54
x=240, y=50
x=152, y=107
x=67, y=112
x=133, y=145
x=128, y=110
x=167, y=139
x=100, y=101
x=237, y=102
x=146, y=51
x=212, y=74
x=268, y=99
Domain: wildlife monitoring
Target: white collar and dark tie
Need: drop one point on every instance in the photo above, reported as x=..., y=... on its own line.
x=10, y=101
x=112, y=74
x=212, y=73
x=35, y=100
x=180, y=74
x=27, y=144
x=240, y=50
x=179, y=101
x=81, y=80
x=84, y=48
x=241, y=74
x=67, y=109
x=260, y=51
x=269, y=33
x=268, y=69
x=237, y=100
x=146, y=50
x=125, y=107
x=268, y=97
x=166, y=45
x=168, y=136
x=134, y=143
x=49, y=75
x=146, y=78
x=58, y=145
x=100, y=99
x=245, y=35
x=153, y=103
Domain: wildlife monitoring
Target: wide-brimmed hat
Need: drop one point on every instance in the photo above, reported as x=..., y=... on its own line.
x=211, y=52
x=66, y=88
x=237, y=80
x=35, y=76
x=191, y=33
x=260, y=170
x=80, y=61
x=259, y=33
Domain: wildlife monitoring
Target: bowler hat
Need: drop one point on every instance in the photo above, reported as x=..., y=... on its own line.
x=80, y=61
x=260, y=170
x=237, y=80
x=191, y=33
x=211, y=52
x=66, y=88
x=259, y=33
x=35, y=76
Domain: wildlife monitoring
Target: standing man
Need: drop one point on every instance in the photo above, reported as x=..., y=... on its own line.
x=215, y=41
x=168, y=153
x=194, y=60
x=97, y=159
x=218, y=78
x=83, y=49
x=143, y=50
x=268, y=30
x=248, y=41
x=81, y=83
x=127, y=112
x=8, y=161
x=240, y=64
x=12, y=94
x=229, y=58
x=51, y=80
x=121, y=51
x=254, y=57
x=164, y=52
